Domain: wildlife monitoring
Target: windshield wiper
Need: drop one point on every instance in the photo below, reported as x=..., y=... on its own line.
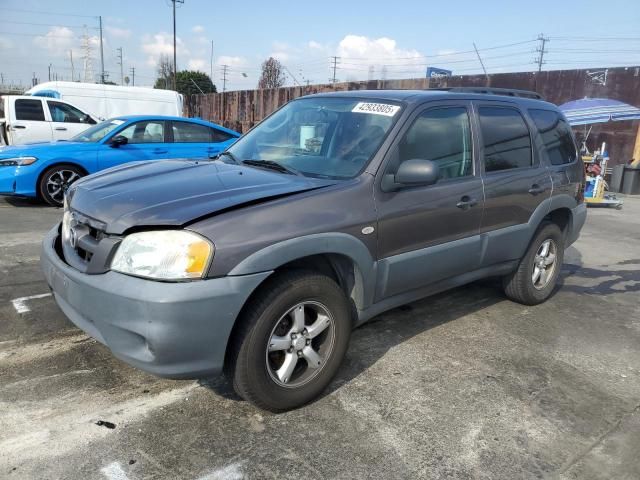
x=272, y=165
x=225, y=154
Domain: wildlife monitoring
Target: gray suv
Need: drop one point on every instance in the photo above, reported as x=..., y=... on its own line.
x=337, y=207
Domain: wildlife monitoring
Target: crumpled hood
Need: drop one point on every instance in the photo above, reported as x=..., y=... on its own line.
x=175, y=192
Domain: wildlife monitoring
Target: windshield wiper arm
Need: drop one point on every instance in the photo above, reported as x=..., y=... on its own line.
x=225, y=154
x=272, y=165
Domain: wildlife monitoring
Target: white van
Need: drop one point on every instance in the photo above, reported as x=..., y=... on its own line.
x=108, y=101
x=26, y=119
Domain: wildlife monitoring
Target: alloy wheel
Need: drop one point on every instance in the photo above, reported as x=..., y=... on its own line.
x=300, y=344
x=544, y=264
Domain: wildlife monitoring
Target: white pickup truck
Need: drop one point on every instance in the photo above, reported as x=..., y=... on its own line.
x=26, y=119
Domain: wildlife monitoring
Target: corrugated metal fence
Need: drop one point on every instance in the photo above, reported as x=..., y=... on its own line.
x=240, y=110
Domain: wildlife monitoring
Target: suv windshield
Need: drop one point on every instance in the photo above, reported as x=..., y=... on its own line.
x=97, y=132
x=320, y=137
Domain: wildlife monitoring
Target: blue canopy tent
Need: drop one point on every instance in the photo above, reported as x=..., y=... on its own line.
x=598, y=110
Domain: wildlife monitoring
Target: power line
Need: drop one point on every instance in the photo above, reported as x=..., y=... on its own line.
x=13, y=22
x=46, y=13
x=481, y=64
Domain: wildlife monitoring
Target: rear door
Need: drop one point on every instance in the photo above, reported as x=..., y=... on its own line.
x=66, y=120
x=516, y=181
x=146, y=140
x=429, y=233
x=194, y=140
x=559, y=149
x=27, y=121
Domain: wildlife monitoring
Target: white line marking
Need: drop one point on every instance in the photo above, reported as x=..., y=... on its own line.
x=114, y=471
x=20, y=305
x=230, y=472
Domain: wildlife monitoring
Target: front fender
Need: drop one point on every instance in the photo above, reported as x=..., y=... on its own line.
x=276, y=255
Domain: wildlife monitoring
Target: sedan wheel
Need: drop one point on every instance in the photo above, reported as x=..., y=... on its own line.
x=55, y=182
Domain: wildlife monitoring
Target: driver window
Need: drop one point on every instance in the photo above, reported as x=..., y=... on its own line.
x=144, y=132
x=443, y=136
x=61, y=112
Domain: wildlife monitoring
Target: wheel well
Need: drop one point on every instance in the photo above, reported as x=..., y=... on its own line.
x=71, y=164
x=340, y=268
x=562, y=218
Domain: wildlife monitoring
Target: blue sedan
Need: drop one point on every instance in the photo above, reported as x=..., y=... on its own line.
x=45, y=170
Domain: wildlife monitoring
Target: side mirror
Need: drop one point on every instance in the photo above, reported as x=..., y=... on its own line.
x=412, y=173
x=118, y=141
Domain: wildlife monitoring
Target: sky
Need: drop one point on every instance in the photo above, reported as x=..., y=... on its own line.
x=372, y=39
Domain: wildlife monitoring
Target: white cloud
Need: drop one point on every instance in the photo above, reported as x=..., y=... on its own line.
x=197, y=64
x=5, y=43
x=315, y=45
x=117, y=32
x=159, y=44
x=358, y=53
x=56, y=40
x=197, y=29
x=232, y=62
x=281, y=56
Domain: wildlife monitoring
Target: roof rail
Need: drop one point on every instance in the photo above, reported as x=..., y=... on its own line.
x=509, y=92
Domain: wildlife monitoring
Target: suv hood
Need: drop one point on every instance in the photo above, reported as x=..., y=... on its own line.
x=176, y=192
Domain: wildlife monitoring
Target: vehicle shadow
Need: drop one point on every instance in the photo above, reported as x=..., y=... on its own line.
x=372, y=340
x=24, y=202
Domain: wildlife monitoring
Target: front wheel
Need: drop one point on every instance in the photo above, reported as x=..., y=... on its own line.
x=55, y=181
x=291, y=341
x=537, y=274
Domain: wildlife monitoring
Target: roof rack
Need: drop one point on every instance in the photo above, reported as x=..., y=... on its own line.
x=509, y=92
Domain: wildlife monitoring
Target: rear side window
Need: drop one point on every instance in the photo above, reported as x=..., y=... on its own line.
x=29, y=110
x=443, y=136
x=556, y=136
x=507, y=143
x=184, y=132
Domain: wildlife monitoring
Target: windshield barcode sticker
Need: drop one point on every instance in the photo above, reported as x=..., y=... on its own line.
x=376, y=108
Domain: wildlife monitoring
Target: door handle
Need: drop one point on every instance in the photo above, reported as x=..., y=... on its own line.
x=536, y=189
x=466, y=202
x=15, y=127
x=61, y=129
x=160, y=150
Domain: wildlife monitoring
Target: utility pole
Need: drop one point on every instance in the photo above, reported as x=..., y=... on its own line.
x=50, y=65
x=72, y=70
x=175, y=65
x=224, y=77
x=211, y=63
x=540, y=59
x=119, y=50
x=133, y=76
x=102, y=79
x=335, y=64
x=481, y=64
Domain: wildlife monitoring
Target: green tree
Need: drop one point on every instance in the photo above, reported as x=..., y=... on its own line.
x=188, y=82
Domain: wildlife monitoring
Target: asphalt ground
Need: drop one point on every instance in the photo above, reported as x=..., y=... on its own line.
x=465, y=385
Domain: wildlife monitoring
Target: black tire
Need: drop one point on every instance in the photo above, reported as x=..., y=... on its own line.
x=519, y=286
x=249, y=365
x=63, y=176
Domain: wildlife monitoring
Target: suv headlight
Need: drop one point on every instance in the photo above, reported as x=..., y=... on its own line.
x=163, y=255
x=17, y=161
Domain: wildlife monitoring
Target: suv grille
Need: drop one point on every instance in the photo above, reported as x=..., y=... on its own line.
x=85, y=245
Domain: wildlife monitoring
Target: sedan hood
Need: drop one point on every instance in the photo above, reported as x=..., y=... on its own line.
x=176, y=192
x=40, y=148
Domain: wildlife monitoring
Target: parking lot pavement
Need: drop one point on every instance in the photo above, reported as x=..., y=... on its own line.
x=462, y=385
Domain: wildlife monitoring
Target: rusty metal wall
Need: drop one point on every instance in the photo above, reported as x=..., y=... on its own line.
x=240, y=110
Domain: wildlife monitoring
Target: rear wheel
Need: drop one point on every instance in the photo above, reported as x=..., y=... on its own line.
x=292, y=339
x=538, y=271
x=55, y=181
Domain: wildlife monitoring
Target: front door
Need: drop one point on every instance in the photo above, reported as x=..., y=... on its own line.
x=429, y=233
x=146, y=140
x=66, y=120
x=29, y=123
